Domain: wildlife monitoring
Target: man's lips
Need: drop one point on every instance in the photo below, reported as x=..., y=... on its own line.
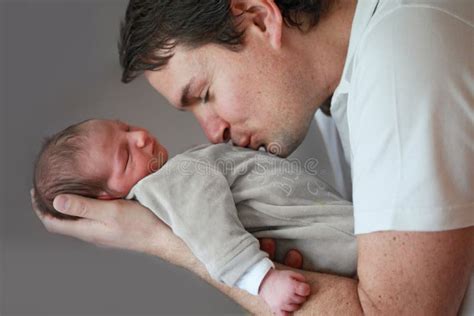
x=245, y=142
x=250, y=142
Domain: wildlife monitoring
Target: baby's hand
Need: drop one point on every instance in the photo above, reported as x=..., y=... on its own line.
x=284, y=291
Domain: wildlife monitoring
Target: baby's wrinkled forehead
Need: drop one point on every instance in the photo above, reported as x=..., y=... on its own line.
x=97, y=128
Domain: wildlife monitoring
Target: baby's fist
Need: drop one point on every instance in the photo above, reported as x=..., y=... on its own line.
x=284, y=291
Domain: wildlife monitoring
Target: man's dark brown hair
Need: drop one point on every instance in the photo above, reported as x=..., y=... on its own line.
x=58, y=169
x=152, y=28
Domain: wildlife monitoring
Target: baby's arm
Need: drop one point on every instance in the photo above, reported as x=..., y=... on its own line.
x=199, y=207
x=283, y=291
x=195, y=200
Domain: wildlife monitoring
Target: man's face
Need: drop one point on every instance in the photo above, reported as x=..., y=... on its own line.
x=123, y=154
x=254, y=97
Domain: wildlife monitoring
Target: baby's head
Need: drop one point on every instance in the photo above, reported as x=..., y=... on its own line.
x=96, y=158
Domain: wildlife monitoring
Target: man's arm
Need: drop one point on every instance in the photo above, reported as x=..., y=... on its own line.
x=415, y=272
x=402, y=273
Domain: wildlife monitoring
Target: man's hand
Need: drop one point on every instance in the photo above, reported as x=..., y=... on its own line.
x=128, y=225
x=114, y=224
x=293, y=258
x=284, y=291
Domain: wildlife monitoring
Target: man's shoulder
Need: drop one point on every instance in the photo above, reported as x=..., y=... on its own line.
x=415, y=46
x=462, y=10
x=408, y=110
x=410, y=24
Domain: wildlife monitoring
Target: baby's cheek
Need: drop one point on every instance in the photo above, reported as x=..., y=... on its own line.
x=140, y=170
x=153, y=165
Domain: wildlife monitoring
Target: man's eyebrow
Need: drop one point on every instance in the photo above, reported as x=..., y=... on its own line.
x=185, y=98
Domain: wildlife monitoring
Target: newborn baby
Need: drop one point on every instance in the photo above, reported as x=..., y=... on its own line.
x=218, y=198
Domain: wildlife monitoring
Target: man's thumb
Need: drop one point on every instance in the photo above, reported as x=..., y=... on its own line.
x=61, y=203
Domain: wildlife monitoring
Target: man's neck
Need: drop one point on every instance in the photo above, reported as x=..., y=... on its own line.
x=335, y=31
x=323, y=49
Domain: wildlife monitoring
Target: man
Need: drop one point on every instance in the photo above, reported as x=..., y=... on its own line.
x=402, y=85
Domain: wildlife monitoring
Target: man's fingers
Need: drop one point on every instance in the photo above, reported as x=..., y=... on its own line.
x=83, y=207
x=53, y=224
x=35, y=205
x=294, y=259
x=84, y=229
x=268, y=245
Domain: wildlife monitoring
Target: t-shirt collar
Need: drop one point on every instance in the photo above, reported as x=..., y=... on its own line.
x=364, y=11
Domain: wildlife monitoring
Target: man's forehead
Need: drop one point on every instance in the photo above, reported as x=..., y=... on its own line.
x=185, y=65
x=175, y=86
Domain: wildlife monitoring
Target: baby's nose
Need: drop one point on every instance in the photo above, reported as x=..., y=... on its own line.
x=142, y=138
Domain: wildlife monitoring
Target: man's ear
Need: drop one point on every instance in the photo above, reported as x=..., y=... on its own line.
x=263, y=14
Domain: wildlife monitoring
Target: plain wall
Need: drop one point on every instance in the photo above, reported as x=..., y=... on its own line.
x=3, y=136
x=60, y=62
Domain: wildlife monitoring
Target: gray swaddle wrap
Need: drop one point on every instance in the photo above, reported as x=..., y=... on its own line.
x=219, y=199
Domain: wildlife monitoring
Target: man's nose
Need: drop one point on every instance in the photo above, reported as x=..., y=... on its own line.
x=216, y=129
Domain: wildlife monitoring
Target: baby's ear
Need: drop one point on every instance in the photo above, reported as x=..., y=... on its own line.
x=105, y=196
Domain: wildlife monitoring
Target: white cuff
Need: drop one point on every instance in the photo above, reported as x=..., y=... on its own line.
x=252, y=278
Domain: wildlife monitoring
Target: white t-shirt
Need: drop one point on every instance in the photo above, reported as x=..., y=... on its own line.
x=405, y=112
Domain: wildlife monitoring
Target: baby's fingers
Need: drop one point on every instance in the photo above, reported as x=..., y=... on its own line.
x=290, y=307
x=302, y=289
x=281, y=313
x=297, y=276
x=297, y=299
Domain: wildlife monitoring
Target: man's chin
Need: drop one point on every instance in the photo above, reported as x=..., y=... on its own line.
x=284, y=148
x=276, y=148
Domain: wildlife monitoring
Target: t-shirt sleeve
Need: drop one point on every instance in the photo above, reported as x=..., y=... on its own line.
x=195, y=200
x=411, y=123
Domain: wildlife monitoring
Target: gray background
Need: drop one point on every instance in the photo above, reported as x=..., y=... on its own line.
x=59, y=65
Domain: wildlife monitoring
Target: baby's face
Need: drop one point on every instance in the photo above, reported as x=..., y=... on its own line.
x=123, y=154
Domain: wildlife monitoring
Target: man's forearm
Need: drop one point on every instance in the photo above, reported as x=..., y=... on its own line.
x=330, y=294
x=400, y=272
